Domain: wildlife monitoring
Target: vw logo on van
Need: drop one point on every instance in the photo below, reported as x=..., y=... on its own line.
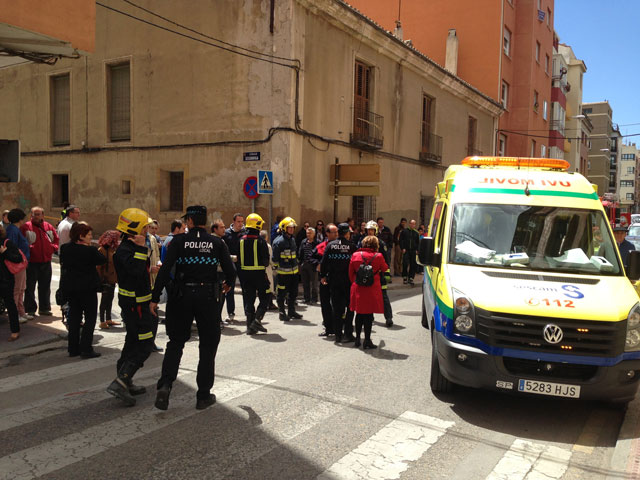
x=552, y=333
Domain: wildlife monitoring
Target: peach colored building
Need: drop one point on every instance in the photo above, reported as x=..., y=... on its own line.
x=504, y=48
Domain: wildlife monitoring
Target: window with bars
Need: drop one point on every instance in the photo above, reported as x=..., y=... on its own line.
x=176, y=190
x=363, y=209
x=119, y=102
x=471, y=136
x=60, y=101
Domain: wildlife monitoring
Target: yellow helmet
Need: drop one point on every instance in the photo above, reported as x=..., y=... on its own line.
x=132, y=221
x=254, y=221
x=287, y=222
x=371, y=225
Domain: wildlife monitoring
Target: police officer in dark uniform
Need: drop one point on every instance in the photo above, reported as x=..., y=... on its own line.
x=192, y=294
x=286, y=261
x=334, y=270
x=131, y=264
x=254, y=260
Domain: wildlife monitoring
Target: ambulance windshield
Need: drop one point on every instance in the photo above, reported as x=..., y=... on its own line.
x=533, y=238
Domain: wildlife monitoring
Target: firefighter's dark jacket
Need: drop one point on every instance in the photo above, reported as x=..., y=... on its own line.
x=409, y=239
x=253, y=251
x=130, y=261
x=196, y=256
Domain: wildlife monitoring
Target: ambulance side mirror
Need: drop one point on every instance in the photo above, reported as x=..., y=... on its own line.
x=426, y=255
x=633, y=272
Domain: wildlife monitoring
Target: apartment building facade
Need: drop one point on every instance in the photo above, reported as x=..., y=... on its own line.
x=628, y=184
x=159, y=121
x=603, y=154
x=578, y=126
x=505, y=49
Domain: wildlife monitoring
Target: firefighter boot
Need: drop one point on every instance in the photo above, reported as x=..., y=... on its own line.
x=251, y=329
x=283, y=313
x=119, y=388
x=162, y=397
x=256, y=322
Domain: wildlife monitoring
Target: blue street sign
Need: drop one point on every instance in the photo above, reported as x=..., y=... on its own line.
x=265, y=182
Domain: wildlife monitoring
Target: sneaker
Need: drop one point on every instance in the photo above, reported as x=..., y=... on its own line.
x=28, y=316
x=23, y=319
x=405, y=281
x=203, y=403
x=230, y=317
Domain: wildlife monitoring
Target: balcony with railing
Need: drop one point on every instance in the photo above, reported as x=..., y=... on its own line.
x=367, y=129
x=431, y=148
x=558, y=126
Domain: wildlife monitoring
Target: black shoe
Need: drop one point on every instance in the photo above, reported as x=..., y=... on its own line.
x=348, y=339
x=203, y=403
x=45, y=313
x=137, y=389
x=74, y=354
x=368, y=345
x=411, y=281
x=258, y=326
x=338, y=338
x=295, y=315
x=273, y=306
x=405, y=281
x=157, y=349
x=162, y=397
x=284, y=317
x=91, y=354
x=323, y=334
x=389, y=323
x=356, y=343
x=119, y=389
x=251, y=331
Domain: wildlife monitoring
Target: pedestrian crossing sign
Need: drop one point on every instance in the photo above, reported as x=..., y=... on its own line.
x=265, y=182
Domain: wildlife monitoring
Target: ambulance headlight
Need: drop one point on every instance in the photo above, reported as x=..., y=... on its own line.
x=463, y=314
x=632, y=342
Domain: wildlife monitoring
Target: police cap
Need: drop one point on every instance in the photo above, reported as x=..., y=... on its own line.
x=198, y=213
x=343, y=228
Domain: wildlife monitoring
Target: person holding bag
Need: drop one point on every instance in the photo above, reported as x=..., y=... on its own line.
x=79, y=282
x=10, y=260
x=108, y=244
x=366, y=290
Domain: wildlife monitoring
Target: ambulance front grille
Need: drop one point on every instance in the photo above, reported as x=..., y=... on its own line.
x=521, y=332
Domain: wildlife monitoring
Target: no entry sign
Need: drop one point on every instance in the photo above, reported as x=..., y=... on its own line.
x=250, y=187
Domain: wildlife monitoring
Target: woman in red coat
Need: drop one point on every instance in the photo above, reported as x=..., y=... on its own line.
x=366, y=301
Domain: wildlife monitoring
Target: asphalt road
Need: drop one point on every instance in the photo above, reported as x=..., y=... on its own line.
x=292, y=405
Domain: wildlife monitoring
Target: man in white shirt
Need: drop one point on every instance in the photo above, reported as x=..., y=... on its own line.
x=73, y=215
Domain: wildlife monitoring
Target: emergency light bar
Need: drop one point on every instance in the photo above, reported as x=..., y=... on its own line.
x=553, y=163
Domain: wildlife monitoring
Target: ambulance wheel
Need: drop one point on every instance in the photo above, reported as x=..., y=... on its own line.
x=425, y=319
x=439, y=384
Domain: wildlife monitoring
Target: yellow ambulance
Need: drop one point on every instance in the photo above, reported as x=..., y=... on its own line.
x=524, y=287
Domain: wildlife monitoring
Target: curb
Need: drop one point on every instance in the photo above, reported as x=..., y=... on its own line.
x=625, y=461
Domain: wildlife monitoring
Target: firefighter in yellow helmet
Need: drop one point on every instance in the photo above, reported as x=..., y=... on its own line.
x=134, y=296
x=286, y=261
x=254, y=260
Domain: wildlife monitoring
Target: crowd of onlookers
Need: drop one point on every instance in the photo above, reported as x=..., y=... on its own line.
x=28, y=245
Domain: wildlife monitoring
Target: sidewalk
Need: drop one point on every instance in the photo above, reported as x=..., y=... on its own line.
x=625, y=462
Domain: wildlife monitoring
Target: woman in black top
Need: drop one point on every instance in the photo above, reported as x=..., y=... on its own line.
x=8, y=251
x=79, y=283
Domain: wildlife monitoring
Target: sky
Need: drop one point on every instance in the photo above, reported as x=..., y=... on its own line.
x=605, y=34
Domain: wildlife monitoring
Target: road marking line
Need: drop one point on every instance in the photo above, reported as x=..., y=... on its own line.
x=311, y=416
x=59, y=453
x=69, y=401
x=531, y=461
x=57, y=372
x=385, y=455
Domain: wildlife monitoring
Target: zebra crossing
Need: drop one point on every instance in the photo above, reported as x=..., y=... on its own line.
x=390, y=452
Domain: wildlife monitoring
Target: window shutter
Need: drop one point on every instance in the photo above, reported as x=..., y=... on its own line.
x=60, y=110
x=119, y=103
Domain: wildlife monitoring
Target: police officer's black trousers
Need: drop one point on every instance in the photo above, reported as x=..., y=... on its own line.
x=138, y=342
x=255, y=283
x=199, y=303
x=340, y=290
x=325, y=307
x=287, y=288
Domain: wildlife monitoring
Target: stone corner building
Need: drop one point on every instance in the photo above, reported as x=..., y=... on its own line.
x=159, y=120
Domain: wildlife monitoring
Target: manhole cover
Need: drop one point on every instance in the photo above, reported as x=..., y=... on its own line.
x=410, y=314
